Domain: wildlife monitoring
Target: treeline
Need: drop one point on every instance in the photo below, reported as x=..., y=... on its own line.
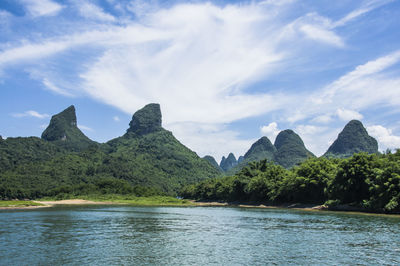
x=368, y=182
x=154, y=164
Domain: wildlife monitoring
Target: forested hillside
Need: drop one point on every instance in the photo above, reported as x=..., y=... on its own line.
x=364, y=181
x=147, y=159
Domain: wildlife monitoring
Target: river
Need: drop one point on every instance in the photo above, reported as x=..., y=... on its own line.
x=118, y=235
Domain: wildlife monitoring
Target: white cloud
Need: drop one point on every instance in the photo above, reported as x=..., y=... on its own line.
x=92, y=11
x=197, y=60
x=347, y=115
x=116, y=119
x=85, y=128
x=356, y=89
x=385, y=137
x=271, y=130
x=50, y=86
x=323, y=119
x=210, y=139
x=31, y=113
x=317, y=138
x=38, y=8
x=322, y=34
x=365, y=7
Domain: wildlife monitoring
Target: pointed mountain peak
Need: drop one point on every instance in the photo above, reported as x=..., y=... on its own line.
x=262, y=149
x=59, y=125
x=212, y=161
x=290, y=149
x=229, y=162
x=63, y=127
x=231, y=156
x=146, y=120
x=353, y=138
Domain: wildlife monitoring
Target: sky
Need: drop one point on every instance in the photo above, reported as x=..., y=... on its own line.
x=224, y=72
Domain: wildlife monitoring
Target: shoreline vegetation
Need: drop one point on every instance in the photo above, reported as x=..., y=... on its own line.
x=166, y=201
x=363, y=182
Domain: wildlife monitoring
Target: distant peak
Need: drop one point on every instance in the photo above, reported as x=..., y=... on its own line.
x=231, y=156
x=287, y=135
x=263, y=144
x=353, y=138
x=229, y=162
x=146, y=120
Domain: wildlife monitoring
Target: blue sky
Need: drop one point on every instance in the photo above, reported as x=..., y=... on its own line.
x=225, y=72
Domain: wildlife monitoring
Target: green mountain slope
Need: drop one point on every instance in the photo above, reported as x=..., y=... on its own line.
x=150, y=155
x=212, y=161
x=290, y=149
x=260, y=150
x=147, y=158
x=354, y=138
x=17, y=151
x=63, y=131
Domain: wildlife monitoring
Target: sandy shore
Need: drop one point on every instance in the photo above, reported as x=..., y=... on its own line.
x=74, y=202
x=47, y=204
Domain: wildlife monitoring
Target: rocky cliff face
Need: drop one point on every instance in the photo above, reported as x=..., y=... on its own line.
x=353, y=138
x=63, y=129
x=290, y=149
x=146, y=120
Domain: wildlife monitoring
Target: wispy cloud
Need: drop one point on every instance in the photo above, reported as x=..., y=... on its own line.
x=50, y=86
x=92, y=11
x=198, y=60
x=38, y=8
x=116, y=118
x=31, y=113
x=346, y=115
x=321, y=34
x=365, y=7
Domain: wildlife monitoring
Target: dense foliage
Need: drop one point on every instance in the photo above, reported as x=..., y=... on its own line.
x=147, y=160
x=365, y=181
x=131, y=164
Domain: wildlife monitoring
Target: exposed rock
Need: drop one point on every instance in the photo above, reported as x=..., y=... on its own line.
x=229, y=162
x=63, y=127
x=240, y=159
x=290, y=149
x=354, y=138
x=146, y=120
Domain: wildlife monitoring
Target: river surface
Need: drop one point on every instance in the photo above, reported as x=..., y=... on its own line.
x=117, y=235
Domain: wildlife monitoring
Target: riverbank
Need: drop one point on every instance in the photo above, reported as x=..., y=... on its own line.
x=20, y=204
x=165, y=201
x=160, y=201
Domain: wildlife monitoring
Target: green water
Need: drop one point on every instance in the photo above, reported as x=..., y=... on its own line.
x=114, y=235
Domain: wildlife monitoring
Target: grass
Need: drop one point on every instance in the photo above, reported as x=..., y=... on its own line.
x=18, y=203
x=129, y=199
